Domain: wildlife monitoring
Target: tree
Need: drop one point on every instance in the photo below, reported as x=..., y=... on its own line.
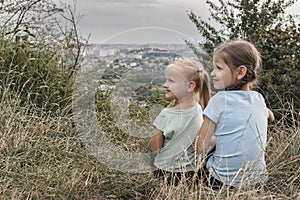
x=275, y=33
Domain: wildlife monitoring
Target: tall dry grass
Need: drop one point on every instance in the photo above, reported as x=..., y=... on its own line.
x=42, y=157
x=283, y=164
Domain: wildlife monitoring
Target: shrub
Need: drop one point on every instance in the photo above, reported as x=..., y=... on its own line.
x=34, y=75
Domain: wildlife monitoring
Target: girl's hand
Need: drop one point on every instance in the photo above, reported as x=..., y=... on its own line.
x=156, y=141
x=271, y=116
x=213, y=141
x=206, y=139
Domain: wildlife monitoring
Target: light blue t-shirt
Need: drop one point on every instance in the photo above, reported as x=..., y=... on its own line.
x=180, y=128
x=241, y=132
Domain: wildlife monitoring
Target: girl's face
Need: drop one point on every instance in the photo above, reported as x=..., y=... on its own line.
x=176, y=85
x=222, y=75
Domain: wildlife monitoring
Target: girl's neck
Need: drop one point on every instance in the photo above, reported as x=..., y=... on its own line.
x=187, y=103
x=245, y=87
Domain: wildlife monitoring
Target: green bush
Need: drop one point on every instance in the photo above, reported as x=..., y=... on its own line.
x=34, y=75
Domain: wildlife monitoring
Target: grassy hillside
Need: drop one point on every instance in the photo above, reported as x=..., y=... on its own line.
x=42, y=157
x=42, y=154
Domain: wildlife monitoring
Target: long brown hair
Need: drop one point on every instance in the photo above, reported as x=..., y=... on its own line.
x=240, y=52
x=194, y=71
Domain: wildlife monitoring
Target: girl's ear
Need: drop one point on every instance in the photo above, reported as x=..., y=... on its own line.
x=191, y=86
x=241, y=72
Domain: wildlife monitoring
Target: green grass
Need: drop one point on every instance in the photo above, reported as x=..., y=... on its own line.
x=42, y=157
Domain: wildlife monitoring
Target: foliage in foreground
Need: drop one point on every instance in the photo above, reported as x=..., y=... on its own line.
x=39, y=52
x=42, y=157
x=32, y=73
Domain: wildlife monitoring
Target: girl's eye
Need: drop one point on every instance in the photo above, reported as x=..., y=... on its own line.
x=218, y=67
x=169, y=80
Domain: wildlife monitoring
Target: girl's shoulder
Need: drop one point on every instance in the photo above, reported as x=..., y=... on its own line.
x=238, y=93
x=252, y=96
x=176, y=110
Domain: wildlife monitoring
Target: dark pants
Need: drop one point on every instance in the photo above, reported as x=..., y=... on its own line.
x=174, y=178
x=211, y=182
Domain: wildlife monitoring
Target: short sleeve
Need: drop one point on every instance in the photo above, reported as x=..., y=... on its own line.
x=159, y=121
x=262, y=103
x=215, y=107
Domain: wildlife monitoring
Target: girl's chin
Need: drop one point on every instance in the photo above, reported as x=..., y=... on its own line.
x=217, y=87
x=169, y=97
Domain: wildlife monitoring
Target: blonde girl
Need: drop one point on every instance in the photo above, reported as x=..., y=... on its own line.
x=177, y=127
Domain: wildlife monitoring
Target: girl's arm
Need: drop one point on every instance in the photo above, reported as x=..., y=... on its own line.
x=156, y=141
x=271, y=116
x=206, y=139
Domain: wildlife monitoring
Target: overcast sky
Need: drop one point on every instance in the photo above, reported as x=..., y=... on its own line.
x=142, y=21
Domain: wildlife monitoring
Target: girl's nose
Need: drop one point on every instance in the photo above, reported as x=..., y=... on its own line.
x=165, y=85
x=213, y=73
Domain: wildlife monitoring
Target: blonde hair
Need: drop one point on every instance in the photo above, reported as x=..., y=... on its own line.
x=194, y=71
x=240, y=52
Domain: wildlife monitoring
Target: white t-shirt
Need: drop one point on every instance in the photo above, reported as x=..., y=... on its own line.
x=180, y=128
x=241, y=132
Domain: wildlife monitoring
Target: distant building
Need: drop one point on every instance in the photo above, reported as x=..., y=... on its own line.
x=139, y=55
x=107, y=52
x=104, y=87
x=133, y=64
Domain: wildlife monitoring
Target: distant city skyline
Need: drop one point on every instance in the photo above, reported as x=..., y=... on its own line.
x=146, y=21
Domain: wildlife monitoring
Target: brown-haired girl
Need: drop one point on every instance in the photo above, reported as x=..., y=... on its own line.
x=236, y=117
